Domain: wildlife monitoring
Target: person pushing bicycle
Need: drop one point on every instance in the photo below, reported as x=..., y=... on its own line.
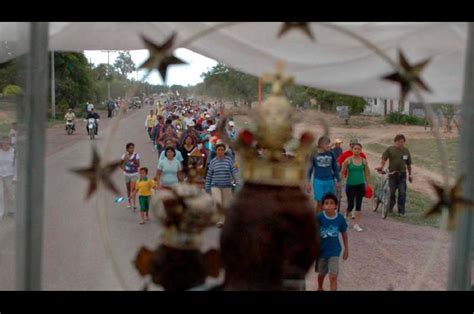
x=399, y=162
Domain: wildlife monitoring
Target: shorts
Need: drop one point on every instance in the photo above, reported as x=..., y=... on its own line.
x=327, y=264
x=144, y=203
x=131, y=178
x=321, y=187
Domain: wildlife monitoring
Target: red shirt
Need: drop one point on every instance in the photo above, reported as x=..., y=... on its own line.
x=345, y=155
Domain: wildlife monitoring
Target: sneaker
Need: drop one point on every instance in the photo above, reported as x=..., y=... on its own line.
x=129, y=206
x=401, y=215
x=142, y=222
x=220, y=224
x=358, y=228
x=353, y=215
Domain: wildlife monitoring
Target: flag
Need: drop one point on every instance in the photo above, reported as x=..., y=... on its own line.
x=120, y=199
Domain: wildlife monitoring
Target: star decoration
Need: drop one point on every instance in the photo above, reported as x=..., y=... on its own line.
x=161, y=56
x=303, y=26
x=96, y=173
x=450, y=199
x=278, y=80
x=409, y=77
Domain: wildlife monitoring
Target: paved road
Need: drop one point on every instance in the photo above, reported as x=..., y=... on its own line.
x=74, y=257
x=387, y=253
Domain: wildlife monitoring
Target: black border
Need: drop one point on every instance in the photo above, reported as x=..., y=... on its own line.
x=242, y=302
x=236, y=302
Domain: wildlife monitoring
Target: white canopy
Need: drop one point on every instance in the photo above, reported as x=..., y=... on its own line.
x=333, y=62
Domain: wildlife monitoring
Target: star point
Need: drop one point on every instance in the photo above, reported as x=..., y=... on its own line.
x=96, y=173
x=161, y=56
x=302, y=26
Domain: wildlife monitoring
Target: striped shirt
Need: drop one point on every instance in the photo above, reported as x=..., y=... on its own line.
x=220, y=173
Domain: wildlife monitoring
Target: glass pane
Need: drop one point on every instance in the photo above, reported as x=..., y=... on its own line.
x=13, y=46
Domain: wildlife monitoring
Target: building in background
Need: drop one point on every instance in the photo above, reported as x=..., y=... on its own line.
x=382, y=107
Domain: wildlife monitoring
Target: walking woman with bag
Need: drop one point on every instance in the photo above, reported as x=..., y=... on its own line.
x=357, y=178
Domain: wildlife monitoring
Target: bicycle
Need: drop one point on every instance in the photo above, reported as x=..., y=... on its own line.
x=382, y=193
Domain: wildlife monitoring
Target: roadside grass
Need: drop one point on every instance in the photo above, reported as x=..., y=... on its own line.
x=416, y=205
x=425, y=153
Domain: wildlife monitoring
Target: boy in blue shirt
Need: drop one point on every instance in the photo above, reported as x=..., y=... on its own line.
x=325, y=172
x=331, y=223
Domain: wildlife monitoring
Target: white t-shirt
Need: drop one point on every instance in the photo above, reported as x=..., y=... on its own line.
x=12, y=135
x=7, y=163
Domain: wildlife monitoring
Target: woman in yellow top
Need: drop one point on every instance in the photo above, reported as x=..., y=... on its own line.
x=150, y=122
x=144, y=189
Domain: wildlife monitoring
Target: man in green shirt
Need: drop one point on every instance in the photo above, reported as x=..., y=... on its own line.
x=400, y=161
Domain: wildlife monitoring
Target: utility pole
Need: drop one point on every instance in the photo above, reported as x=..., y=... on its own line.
x=108, y=65
x=53, y=88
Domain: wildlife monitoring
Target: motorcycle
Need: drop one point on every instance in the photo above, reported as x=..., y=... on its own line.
x=69, y=127
x=91, y=127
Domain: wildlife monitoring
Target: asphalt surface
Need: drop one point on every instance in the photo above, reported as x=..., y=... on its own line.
x=387, y=255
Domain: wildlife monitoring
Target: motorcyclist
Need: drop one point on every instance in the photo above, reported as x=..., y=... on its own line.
x=70, y=116
x=93, y=115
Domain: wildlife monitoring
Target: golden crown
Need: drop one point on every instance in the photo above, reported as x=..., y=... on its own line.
x=264, y=159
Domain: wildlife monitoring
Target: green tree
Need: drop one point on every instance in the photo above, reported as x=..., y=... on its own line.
x=124, y=64
x=74, y=79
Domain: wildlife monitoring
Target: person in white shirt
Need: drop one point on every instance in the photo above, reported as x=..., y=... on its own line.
x=7, y=177
x=12, y=135
x=90, y=107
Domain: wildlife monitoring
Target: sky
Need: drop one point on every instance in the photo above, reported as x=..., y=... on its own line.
x=189, y=74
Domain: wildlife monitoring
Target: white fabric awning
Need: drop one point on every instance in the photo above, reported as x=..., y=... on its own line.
x=333, y=62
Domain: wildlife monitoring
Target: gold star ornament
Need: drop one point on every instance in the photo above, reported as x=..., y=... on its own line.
x=409, y=76
x=95, y=173
x=451, y=199
x=302, y=26
x=161, y=56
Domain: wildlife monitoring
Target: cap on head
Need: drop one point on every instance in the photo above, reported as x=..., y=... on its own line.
x=212, y=128
x=338, y=141
x=231, y=123
x=191, y=123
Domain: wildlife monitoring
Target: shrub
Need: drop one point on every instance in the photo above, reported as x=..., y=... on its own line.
x=400, y=118
x=11, y=90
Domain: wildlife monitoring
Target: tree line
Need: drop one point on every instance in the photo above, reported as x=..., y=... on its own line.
x=223, y=82
x=78, y=81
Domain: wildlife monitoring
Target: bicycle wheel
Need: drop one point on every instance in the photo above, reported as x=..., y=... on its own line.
x=375, y=203
x=385, y=202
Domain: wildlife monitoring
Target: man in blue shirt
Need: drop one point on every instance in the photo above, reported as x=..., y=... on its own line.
x=331, y=223
x=325, y=172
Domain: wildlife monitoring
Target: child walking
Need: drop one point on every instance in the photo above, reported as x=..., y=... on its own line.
x=144, y=189
x=331, y=223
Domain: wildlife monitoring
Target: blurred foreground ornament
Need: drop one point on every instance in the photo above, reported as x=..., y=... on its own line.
x=409, y=77
x=161, y=56
x=96, y=173
x=451, y=200
x=303, y=26
x=270, y=237
x=178, y=263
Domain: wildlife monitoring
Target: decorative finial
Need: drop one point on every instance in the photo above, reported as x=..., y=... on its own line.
x=278, y=80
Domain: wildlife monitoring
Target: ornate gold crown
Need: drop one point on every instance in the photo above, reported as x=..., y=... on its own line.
x=263, y=151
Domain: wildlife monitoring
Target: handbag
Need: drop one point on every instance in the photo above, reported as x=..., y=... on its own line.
x=368, y=192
